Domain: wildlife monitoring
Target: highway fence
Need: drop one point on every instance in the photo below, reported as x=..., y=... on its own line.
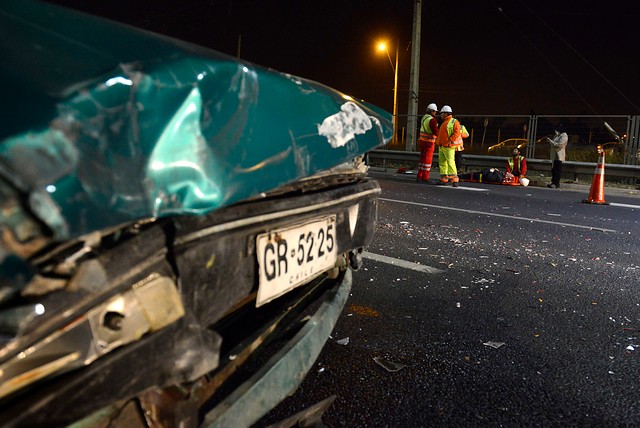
x=496, y=135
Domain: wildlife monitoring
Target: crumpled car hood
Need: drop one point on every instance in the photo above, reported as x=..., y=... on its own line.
x=105, y=130
x=113, y=124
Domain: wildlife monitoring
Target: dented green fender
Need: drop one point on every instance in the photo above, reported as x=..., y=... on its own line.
x=105, y=124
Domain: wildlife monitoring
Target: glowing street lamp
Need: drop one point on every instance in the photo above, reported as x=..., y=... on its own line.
x=382, y=46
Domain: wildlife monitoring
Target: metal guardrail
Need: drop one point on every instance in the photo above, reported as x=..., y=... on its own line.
x=472, y=162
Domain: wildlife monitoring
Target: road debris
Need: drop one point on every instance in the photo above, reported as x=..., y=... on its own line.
x=343, y=342
x=309, y=417
x=493, y=344
x=363, y=310
x=390, y=366
x=483, y=281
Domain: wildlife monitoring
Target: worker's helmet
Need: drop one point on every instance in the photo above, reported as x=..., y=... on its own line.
x=446, y=109
x=432, y=107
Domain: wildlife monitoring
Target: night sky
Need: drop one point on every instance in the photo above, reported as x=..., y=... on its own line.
x=479, y=56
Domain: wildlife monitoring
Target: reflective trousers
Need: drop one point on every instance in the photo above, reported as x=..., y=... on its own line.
x=447, y=164
x=426, y=157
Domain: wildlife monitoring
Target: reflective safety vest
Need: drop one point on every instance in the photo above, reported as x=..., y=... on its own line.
x=464, y=132
x=510, y=161
x=453, y=138
x=426, y=133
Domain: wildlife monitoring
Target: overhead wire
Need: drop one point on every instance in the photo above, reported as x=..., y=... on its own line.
x=546, y=59
x=580, y=56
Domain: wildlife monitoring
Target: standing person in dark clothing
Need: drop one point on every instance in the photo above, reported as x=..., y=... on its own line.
x=459, y=149
x=557, y=153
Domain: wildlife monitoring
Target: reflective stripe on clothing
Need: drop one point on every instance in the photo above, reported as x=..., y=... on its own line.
x=447, y=164
x=426, y=157
x=429, y=125
x=449, y=134
x=427, y=137
x=428, y=129
x=422, y=169
x=511, y=162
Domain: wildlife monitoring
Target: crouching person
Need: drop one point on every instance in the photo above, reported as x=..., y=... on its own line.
x=516, y=169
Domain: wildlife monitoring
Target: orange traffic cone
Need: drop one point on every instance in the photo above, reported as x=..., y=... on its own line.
x=596, y=195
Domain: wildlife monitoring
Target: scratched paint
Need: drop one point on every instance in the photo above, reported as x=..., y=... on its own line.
x=342, y=127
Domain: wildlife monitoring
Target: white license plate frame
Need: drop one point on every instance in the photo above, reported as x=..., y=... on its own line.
x=290, y=256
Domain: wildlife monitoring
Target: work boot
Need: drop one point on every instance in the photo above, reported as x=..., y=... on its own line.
x=455, y=184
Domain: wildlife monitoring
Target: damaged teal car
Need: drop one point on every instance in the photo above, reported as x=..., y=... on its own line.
x=167, y=214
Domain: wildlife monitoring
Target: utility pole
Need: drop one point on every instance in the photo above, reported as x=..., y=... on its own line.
x=414, y=79
x=395, y=96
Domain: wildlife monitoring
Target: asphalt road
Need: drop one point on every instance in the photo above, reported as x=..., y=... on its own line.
x=502, y=306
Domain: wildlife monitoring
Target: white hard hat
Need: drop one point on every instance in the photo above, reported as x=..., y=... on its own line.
x=432, y=106
x=446, y=109
x=524, y=181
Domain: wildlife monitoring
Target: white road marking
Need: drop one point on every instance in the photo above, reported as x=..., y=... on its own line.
x=615, y=204
x=401, y=263
x=534, y=220
x=471, y=189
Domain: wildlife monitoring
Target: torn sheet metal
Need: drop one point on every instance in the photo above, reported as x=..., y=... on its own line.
x=115, y=124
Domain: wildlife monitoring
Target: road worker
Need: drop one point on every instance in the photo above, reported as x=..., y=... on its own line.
x=449, y=137
x=459, y=149
x=516, y=169
x=426, y=142
x=517, y=164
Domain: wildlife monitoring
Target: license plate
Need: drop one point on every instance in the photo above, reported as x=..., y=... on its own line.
x=291, y=256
